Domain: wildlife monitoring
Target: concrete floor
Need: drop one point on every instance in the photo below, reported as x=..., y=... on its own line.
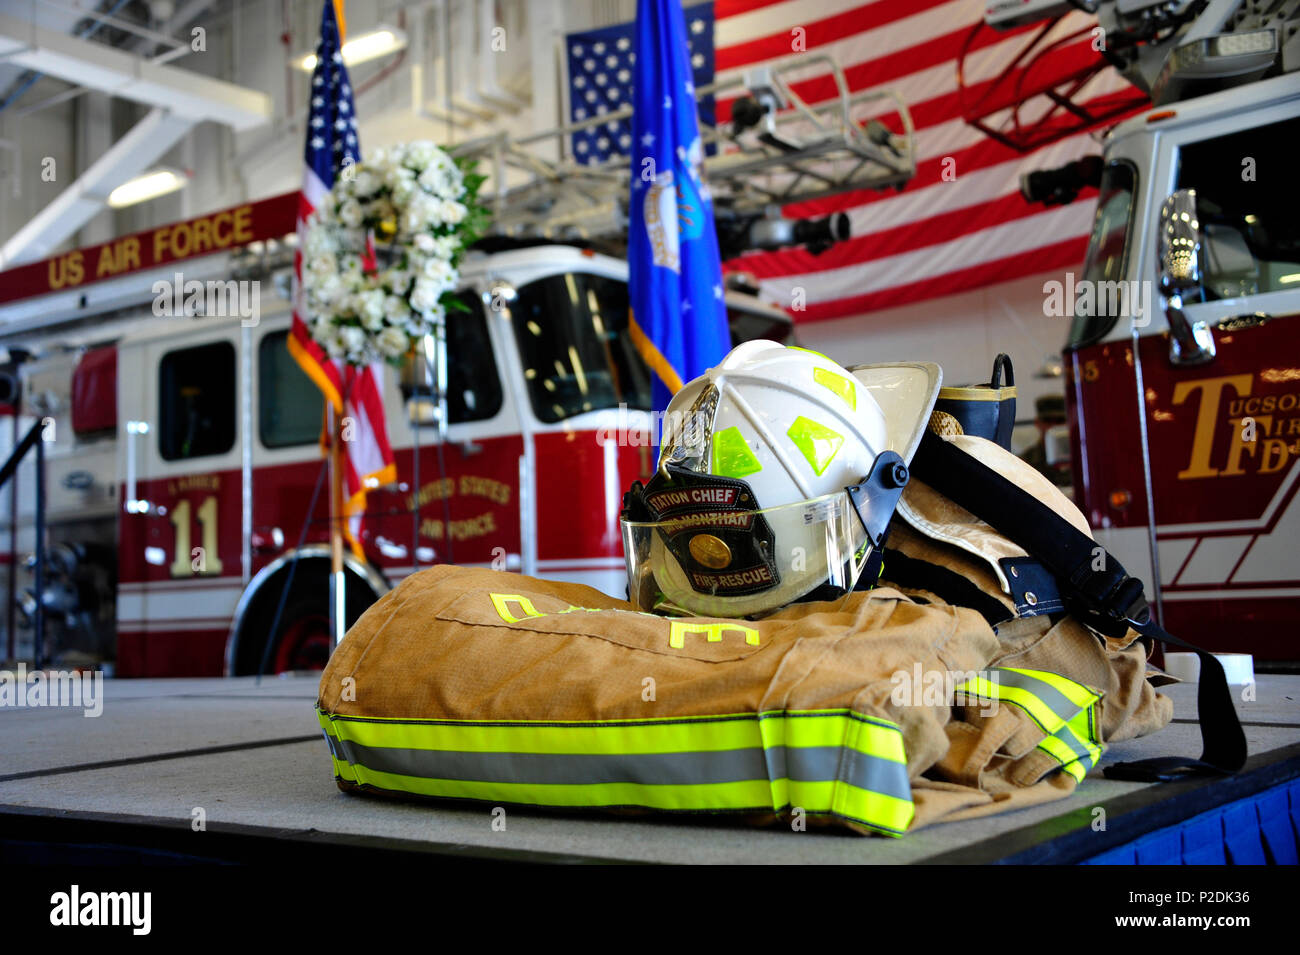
x=252, y=755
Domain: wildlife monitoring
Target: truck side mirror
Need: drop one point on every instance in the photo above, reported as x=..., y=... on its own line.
x=1190, y=343
x=423, y=385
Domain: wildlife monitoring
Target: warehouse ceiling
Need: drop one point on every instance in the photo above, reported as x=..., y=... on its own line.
x=121, y=48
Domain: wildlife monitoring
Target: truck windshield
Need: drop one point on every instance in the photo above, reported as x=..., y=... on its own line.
x=575, y=348
x=1250, y=235
x=1107, y=252
x=577, y=354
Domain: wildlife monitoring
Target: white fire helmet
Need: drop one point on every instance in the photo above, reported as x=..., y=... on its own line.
x=778, y=474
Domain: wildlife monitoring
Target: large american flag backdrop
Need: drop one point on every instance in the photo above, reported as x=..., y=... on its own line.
x=961, y=223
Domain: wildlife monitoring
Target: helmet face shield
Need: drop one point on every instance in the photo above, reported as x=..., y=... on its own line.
x=723, y=561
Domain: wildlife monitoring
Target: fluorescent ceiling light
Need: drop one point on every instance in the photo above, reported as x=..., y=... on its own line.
x=149, y=185
x=380, y=41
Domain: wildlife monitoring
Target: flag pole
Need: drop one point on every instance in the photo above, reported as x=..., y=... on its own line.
x=337, y=591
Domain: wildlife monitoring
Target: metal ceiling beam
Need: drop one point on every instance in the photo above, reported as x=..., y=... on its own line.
x=80, y=202
x=100, y=67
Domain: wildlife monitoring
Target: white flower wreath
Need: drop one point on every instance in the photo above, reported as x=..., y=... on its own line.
x=421, y=206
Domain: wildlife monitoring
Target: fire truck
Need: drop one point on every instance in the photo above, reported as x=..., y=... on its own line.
x=185, y=510
x=1182, y=368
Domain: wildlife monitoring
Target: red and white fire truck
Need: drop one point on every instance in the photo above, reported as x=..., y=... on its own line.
x=1185, y=418
x=182, y=450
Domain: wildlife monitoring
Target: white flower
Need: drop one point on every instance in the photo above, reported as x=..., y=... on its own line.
x=350, y=213
x=436, y=181
x=352, y=338
x=420, y=213
x=332, y=342
x=421, y=153
x=370, y=309
x=398, y=280
x=403, y=191
x=444, y=247
x=327, y=287
x=430, y=266
x=358, y=317
x=421, y=323
x=319, y=241
x=452, y=212
x=392, y=342
x=396, y=310
x=443, y=180
x=365, y=182
x=439, y=272
x=351, y=267
x=323, y=264
x=395, y=175
x=425, y=294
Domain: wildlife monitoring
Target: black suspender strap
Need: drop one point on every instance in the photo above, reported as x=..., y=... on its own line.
x=1099, y=591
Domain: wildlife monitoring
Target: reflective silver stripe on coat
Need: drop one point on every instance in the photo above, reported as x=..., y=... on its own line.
x=1048, y=695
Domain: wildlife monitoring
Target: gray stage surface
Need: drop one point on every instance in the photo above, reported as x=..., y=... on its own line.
x=253, y=759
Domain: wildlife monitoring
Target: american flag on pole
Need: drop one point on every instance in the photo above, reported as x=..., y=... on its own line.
x=355, y=393
x=961, y=223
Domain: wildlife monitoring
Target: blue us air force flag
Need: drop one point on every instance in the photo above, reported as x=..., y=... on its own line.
x=679, y=321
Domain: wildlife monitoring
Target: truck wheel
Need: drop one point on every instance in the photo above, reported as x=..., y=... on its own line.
x=302, y=635
x=304, y=641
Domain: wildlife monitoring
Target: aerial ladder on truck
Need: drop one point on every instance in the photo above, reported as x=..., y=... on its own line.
x=1168, y=50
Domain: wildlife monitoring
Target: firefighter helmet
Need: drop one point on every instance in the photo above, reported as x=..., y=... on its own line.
x=778, y=474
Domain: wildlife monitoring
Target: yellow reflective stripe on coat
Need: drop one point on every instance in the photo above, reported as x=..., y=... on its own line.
x=1049, y=699
x=1063, y=709
x=821, y=761
x=1075, y=745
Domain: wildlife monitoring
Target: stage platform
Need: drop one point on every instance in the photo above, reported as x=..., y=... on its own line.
x=251, y=761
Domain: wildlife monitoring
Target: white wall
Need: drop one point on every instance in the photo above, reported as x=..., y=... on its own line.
x=962, y=332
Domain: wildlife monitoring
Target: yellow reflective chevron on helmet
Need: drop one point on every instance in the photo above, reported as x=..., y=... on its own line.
x=838, y=384
x=808, y=350
x=818, y=443
x=732, y=455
